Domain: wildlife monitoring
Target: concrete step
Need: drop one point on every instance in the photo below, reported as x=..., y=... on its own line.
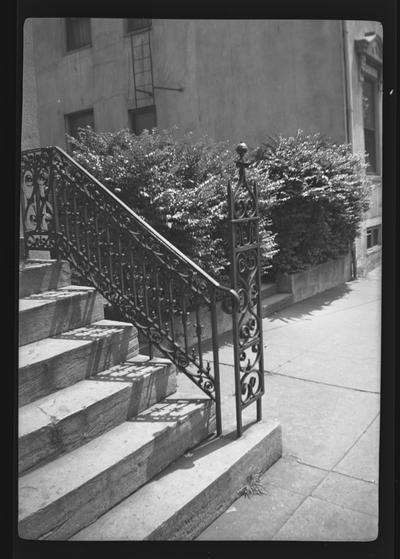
x=66, y=495
x=37, y=276
x=275, y=303
x=192, y=492
x=152, y=380
x=55, y=363
x=268, y=289
x=46, y=314
x=68, y=418
x=56, y=424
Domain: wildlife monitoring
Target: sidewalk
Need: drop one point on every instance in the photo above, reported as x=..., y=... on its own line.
x=322, y=365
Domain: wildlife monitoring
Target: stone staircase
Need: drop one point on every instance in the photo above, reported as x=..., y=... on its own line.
x=107, y=448
x=95, y=420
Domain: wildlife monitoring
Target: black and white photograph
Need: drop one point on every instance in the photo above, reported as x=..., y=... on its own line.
x=200, y=280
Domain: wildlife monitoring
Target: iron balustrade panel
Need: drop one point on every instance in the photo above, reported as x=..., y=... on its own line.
x=36, y=199
x=149, y=281
x=246, y=281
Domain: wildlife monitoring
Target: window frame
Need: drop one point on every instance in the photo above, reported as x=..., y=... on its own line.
x=369, y=232
x=67, y=123
x=140, y=30
x=138, y=110
x=87, y=46
x=369, y=51
x=376, y=130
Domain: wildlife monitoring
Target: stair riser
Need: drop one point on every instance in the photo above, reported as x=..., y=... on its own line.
x=59, y=316
x=151, y=389
x=74, y=511
x=268, y=290
x=60, y=437
x=268, y=309
x=44, y=277
x=190, y=521
x=47, y=376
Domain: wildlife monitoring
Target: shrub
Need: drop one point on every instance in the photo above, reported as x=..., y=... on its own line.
x=317, y=192
x=176, y=184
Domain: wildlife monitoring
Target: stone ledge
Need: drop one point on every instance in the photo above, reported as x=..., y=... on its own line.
x=317, y=279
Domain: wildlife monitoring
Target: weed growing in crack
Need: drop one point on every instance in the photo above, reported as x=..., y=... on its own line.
x=252, y=487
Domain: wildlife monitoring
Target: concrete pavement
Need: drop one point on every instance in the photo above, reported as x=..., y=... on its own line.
x=322, y=379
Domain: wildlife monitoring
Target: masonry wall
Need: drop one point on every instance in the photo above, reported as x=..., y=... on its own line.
x=366, y=258
x=249, y=79
x=29, y=127
x=241, y=79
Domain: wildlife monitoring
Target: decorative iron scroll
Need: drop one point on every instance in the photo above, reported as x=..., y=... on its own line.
x=36, y=202
x=138, y=271
x=247, y=318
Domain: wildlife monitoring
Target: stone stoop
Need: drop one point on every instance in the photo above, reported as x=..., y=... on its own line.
x=93, y=413
x=103, y=441
x=67, y=494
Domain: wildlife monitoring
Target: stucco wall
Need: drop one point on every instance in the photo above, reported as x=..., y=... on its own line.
x=247, y=79
x=29, y=126
x=241, y=79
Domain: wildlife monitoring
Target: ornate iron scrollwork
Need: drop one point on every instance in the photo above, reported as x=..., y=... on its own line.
x=132, y=266
x=247, y=319
x=36, y=203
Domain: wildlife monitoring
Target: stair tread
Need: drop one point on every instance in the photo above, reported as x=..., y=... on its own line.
x=276, y=297
x=63, y=475
x=45, y=314
x=48, y=348
x=70, y=400
x=53, y=295
x=134, y=367
x=181, y=485
x=36, y=263
x=64, y=403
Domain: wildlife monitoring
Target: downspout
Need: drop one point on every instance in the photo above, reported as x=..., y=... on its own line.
x=348, y=101
x=348, y=96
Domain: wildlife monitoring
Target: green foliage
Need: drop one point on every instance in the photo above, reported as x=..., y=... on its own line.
x=317, y=192
x=312, y=193
x=253, y=486
x=178, y=185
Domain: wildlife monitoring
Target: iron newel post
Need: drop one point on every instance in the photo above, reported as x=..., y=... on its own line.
x=246, y=280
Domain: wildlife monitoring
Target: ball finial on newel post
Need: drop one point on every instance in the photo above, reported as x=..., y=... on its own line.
x=241, y=149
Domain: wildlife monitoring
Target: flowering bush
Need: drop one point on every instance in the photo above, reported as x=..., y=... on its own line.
x=317, y=192
x=178, y=185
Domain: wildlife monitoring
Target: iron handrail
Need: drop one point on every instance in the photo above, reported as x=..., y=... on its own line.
x=172, y=248
x=63, y=218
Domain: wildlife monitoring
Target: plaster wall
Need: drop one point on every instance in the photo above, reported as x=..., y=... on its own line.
x=29, y=126
x=241, y=79
x=249, y=79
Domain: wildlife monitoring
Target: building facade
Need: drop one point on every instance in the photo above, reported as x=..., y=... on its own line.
x=229, y=79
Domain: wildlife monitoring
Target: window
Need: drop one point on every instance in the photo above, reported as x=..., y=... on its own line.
x=77, y=120
x=369, y=112
x=78, y=32
x=143, y=118
x=373, y=236
x=137, y=24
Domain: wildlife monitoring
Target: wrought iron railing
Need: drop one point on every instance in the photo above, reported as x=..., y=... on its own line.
x=246, y=281
x=67, y=211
